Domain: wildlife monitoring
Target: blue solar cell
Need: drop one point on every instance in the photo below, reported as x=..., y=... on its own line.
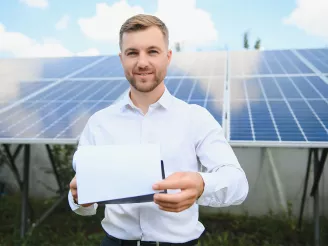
x=287, y=62
x=55, y=112
x=110, y=67
x=294, y=62
x=268, y=62
x=275, y=67
x=185, y=88
x=312, y=54
x=305, y=87
x=175, y=71
x=317, y=57
x=262, y=122
x=312, y=120
x=50, y=67
x=200, y=91
x=270, y=88
x=194, y=91
x=23, y=89
x=311, y=126
x=172, y=85
x=29, y=87
x=216, y=109
x=288, y=87
x=321, y=109
x=253, y=89
x=240, y=123
x=286, y=124
x=264, y=66
x=79, y=122
x=320, y=86
x=321, y=65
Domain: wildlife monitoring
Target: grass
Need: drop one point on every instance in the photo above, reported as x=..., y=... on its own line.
x=63, y=227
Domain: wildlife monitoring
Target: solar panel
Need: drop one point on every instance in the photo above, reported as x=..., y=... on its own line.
x=257, y=96
x=248, y=63
x=279, y=109
x=16, y=90
x=318, y=57
x=60, y=112
x=206, y=92
x=110, y=67
x=40, y=68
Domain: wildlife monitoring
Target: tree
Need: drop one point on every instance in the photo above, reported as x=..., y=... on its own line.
x=177, y=47
x=257, y=44
x=246, y=44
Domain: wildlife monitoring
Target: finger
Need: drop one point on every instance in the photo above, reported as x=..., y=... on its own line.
x=74, y=193
x=176, y=210
x=73, y=184
x=177, y=197
x=174, y=181
x=87, y=204
x=170, y=184
x=176, y=206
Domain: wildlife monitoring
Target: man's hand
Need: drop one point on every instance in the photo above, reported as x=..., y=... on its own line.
x=73, y=188
x=191, y=185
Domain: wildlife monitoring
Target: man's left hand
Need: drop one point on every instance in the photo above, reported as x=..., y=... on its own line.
x=191, y=185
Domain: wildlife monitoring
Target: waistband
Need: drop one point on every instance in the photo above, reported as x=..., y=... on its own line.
x=123, y=242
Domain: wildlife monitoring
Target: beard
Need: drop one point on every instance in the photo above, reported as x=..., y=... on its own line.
x=146, y=84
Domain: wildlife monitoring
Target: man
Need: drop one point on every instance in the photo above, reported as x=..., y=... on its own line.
x=188, y=134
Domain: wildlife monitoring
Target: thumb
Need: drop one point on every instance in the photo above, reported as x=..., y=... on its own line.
x=171, y=182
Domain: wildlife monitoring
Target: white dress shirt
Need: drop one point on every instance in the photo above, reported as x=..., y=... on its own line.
x=188, y=135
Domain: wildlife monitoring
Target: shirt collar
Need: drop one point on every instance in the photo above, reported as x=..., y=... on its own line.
x=164, y=101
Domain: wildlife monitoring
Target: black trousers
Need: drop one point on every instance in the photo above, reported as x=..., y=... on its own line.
x=107, y=241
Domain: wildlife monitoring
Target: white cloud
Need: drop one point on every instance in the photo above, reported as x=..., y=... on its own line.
x=186, y=23
x=36, y=3
x=88, y=52
x=105, y=25
x=62, y=23
x=311, y=16
x=20, y=45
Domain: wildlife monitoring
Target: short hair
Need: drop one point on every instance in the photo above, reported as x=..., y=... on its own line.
x=142, y=22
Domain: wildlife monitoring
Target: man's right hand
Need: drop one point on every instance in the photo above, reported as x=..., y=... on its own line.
x=73, y=188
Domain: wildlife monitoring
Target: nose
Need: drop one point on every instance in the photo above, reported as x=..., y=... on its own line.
x=142, y=61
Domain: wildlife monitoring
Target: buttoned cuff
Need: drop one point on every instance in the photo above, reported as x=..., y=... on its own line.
x=224, y=187
x=209, y=188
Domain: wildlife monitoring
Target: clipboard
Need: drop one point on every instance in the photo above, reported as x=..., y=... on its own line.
x=136, y=199
x=109, y=184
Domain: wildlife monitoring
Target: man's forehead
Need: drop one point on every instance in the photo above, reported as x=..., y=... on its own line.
x=143, y=39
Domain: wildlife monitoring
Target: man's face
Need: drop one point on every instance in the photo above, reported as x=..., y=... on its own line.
x=145, y=58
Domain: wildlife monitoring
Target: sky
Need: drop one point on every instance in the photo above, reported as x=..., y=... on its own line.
x=51, y=28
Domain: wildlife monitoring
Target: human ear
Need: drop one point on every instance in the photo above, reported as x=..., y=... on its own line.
x=169, y=56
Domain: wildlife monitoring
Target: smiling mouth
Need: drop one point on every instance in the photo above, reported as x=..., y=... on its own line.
x=143, y=74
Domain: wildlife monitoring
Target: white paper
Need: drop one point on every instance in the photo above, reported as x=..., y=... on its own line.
x=116, y=171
